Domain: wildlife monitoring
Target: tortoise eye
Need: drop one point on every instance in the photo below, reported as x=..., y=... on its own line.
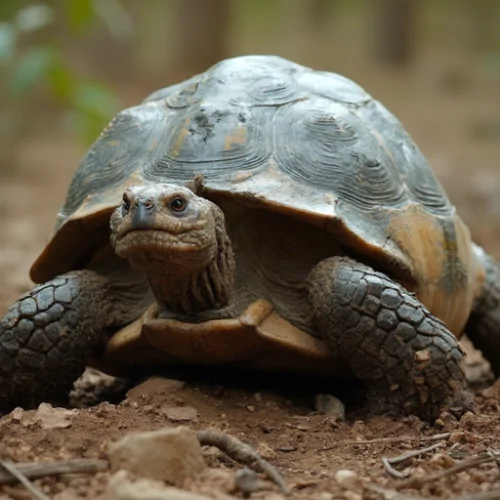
x=125, y=204
x=178, y=204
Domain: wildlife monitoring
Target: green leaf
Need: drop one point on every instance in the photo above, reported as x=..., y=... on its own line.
x=62, y=81
x=95, y=99
x=87, y=127
x=34, y=17
x=32, y=68
x=80, y=13
x=7, y=41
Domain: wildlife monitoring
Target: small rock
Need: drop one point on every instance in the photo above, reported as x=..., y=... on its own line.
x=286, y=447
x=251, y=408
x=442, y=460
x=462, y=437
x=22, y=417
x=121, y=488
x=180, y=413
x=439, y=422
x=171, y=455
x=265, y=451
x=359, y=430
x=493, y=392
x=349, y=480
x=154, y=385
x=247, y=481
x=326, y=496
x=53, y=418
x=352, y=495
x=330, y=405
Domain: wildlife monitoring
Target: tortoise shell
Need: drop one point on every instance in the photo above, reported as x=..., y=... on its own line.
x=280, y=137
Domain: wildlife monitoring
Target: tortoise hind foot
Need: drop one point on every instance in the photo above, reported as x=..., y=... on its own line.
x=408, y=358
x=47, y=336
x=483, y=326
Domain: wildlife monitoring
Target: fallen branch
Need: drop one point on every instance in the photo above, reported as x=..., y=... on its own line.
x=16, y=473
x=402, y=439
x=242, y=453
x=389, y=462
x=35, y=470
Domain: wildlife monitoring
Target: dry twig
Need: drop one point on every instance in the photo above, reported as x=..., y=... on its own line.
x=242, y=453
x=389, y=462
x=16, y=473
x=402, y=439
x=461, y=466
x=34, y=470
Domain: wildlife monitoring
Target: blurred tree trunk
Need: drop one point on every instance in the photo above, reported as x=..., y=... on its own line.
x=395, y=24
x=202, y=33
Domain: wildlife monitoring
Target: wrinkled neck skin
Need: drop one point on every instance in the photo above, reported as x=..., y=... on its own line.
x=201, y=295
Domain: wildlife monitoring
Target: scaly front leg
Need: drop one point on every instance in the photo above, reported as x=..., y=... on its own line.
x=408, y=358
x=47, y=336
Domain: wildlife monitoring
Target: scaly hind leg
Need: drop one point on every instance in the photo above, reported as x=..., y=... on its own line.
x=47, y=336
x=408, y=358
x=483, y=326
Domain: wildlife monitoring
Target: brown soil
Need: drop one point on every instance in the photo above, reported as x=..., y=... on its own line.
x=277, y=417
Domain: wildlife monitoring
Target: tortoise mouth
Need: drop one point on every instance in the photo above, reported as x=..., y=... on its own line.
x=152, y=245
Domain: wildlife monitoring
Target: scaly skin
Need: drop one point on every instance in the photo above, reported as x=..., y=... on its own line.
x=483, y=327
x=47, y=336
x=408, y=358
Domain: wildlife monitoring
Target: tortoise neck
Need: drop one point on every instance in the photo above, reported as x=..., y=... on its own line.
x=188, y=295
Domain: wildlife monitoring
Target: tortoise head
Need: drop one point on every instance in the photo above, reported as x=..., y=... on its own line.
x=166, y=228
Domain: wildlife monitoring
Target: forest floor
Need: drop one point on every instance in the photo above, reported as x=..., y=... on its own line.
x=456, y=129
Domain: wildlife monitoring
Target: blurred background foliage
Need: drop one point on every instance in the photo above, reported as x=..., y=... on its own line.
x=67, y=66
x=74, y=63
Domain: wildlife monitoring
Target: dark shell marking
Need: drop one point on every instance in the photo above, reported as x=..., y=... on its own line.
x=320, y=129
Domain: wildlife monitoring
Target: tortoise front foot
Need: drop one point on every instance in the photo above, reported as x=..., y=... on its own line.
x=408, y=358
x=47, y=336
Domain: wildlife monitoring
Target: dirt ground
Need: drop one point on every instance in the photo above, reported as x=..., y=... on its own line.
x=455, y=127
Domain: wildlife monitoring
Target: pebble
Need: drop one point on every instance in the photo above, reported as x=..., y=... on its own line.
x=154, y=385
x=352, y=495
x=286, y=447
x=462, y=437
x=180, y=413
x=121, y=488
x=47, y=416
x=330, y=405
x=349, y=480
x=493, y=391
x=265, y=451
x=326, y=496
x=247, y=481
x=171, y=454
x=442, y=460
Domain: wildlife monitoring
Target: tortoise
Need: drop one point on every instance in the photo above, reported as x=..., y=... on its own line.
x=261, y=216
